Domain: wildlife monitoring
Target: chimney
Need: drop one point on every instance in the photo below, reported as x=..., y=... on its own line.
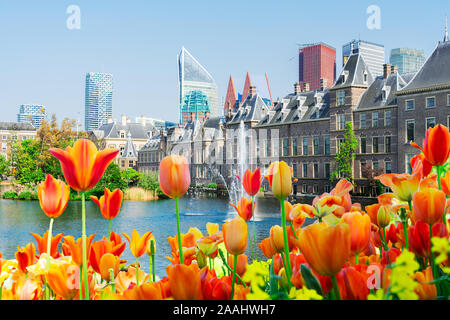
x=128, y=120
x=124, y=120
x=323, y=84
x=394, y=69
x=305, y=86
x=110, y=120
x=143, y=120
x=252, y=91
x=207, y=113
x=386, y=70
x=297, y=88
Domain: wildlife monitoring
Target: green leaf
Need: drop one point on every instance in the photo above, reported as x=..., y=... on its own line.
x=310, y=279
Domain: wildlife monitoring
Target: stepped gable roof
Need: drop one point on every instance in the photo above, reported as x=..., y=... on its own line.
x=353, y=73
x=17, y=126
x=435, y=72
x=381, y=92
x=129, y=151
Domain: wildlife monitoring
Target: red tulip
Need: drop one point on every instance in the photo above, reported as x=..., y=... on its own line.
x=244, y=208
x=109, y=203
x=53, y=196
x=436, y=145
x=252, y=181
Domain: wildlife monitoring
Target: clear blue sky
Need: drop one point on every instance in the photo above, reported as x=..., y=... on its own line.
x=43, y=62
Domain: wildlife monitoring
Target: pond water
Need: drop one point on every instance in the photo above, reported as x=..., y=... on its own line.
x=19, y=218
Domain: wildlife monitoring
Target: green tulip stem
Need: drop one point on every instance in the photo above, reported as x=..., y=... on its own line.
x=335, y=288
x=49, y=243
x=152, y=248
x=109, y=228
x=180, y=248
x=113, y=282
x=137, y=272
x=286, y=243
x=85, y=265
x=234, y=276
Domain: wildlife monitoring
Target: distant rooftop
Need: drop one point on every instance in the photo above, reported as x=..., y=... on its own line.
x=16, y=126
x=305, y=45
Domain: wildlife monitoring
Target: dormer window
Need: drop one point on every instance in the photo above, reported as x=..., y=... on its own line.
x=122, y=135
x=365, y=77
x=345, y=75
x=383, y=95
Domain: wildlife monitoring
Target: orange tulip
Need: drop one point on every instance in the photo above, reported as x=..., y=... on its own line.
x=42, y=243
x=109, y=261
x=425, y=290
x=174, y=176
x=25, y=257
x=436, y=145
x=125, y=280
x=207, y=244
x=29, y=289
x=383, y=217
x=342, y=190
x=326, y=248
x=149, y=248
x=83, y=165
x=327, y=204
x=277, y=238
x=359, y=230
x=445, y=183
x=102, y=247
x=419, y=237
x=353, y=284
x=266, y=248
x=403, y=185
x=188, y=240
x=252, y=181
x=420, y=164
x=62, y=278
x=146, y=291
x=235, y=235
x=242, y=262
x=429, y=205
x=279, y=176
x=244, y=208
x=184, y=282
x=53, y=196
x=75, y=248
x=109, y=203
x=287, y=210
x=138, y=244
x=212, y=228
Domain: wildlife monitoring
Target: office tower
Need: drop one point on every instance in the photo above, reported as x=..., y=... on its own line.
x=317, y=61
x=98, y=100
x=407, y=60
x=31, y=113
x=192, y=76
x=195, y=107
x=372, y=53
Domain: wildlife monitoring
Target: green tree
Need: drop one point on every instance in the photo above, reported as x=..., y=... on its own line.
x=111, y=179
x=149, y=182
x=24, y=159
x=346, y=154
x=4, y=166
x=131, y=176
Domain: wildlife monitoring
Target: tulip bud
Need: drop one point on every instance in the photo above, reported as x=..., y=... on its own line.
x=277, y=238
x=235, y=235
x=383, y=217
x=201, y=259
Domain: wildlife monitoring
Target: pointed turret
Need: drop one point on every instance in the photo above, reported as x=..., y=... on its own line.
x=247, y=85
x=231, y=97
x=446, y=30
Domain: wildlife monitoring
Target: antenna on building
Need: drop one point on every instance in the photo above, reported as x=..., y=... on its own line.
x=446, y=30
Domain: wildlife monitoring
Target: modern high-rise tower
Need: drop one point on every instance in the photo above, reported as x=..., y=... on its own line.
x=31, y=113
x=407, y=60
x=317, y=61
x=98, y=100
x=192, y=76
x=372, y=53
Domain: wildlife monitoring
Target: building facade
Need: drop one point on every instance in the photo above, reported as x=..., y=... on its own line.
x=98, y=100
x=192, y=76
x=31, y=113
x=195, y=107
x=317, y=65
x=407, y=60
x=372, y=53
x=14, y=131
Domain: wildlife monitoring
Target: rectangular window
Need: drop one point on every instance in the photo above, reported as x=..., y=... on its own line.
x=363, y=144
x=304, y=188
x=431, y=102
x=430, y=123
x=448, y=121
x=387, y=118
x=448, y=100
x=294, y=169
x=375, y=145
x=339, y=142
x=327, y=145
x=305, y=146
x=341, y=122
x=267, y=149
x=316, y=145
x=315, y=189
x=294, y=146
x=327, y=170
x=408, y=162
x=388, y=167
x=409, y=104
x=327, y=188
x=316, y=170
x=375, y=119
x=410, y=130
x=362, y=167
x=305, y=170
x=387, y=144
x=285, y=147
x=362, y=120
x=375, y=165
x=340, y=97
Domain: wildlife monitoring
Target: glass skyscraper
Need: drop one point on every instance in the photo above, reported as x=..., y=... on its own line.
x=407, y=60
x=98, y=100
x=372, y=53
x=31, y=113
x=192, y=76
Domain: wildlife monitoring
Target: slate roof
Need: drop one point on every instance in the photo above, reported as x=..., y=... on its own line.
x=253, y=109
x=152, y=144
x=129, y=151
x=353, y=73
x=434, y=72
x=17, y=126
x=373, y=96
x=112, y=130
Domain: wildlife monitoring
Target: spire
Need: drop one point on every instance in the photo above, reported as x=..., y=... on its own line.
x=268, y=87
x=231, y=97
x=446, y=30
x=247, y=85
